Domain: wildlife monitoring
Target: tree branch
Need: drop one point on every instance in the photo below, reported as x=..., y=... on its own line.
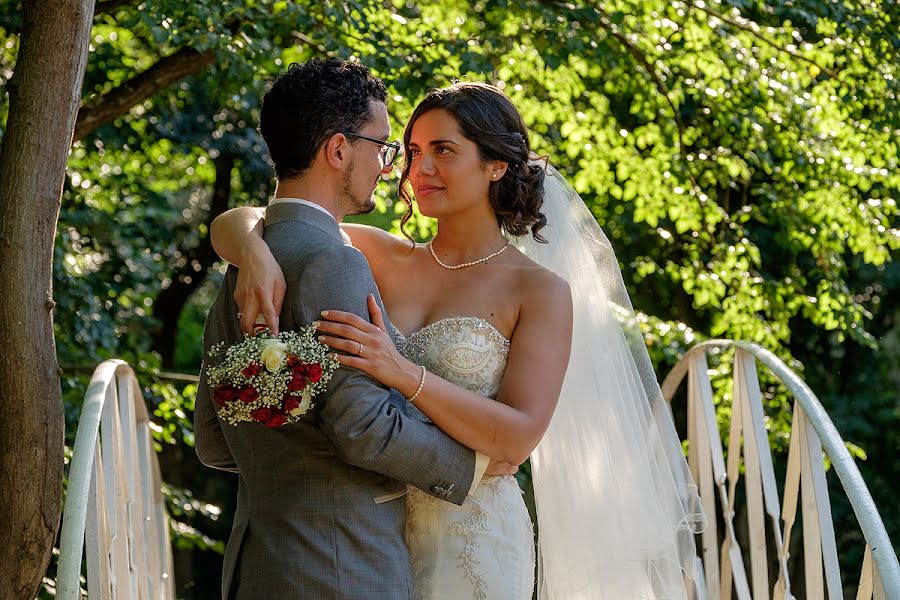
x=643, y=61
x=185, y=280
x=108, y=7
x=755, y=33
x=118, y=101
x=663, y=89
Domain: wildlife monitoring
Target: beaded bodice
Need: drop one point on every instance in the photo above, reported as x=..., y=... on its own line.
x=466, y=351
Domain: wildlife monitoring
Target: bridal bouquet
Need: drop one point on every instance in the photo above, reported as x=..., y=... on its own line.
x=270, y=379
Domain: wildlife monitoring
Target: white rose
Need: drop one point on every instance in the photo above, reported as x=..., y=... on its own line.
x=273, y=354
x=305, y=401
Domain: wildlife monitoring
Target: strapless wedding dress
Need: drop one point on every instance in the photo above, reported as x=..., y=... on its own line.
x=483, y=549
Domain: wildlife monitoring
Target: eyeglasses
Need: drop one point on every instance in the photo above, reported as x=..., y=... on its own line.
x=389, y=150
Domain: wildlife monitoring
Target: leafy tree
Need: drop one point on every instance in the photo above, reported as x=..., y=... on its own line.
x=741, y=155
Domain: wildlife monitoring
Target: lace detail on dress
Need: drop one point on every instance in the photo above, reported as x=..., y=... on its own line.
x=469, y=528
x=414, y=529
x=484, y=548
x=490, y=537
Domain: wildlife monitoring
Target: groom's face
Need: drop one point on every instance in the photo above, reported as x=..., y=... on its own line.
x=366, y=167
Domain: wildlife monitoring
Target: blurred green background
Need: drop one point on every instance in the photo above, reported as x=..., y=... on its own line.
x=741, y=155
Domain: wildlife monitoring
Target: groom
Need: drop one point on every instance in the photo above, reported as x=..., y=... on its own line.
x=320, y=512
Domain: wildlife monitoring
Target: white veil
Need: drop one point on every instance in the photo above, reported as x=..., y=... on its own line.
x=616, y=506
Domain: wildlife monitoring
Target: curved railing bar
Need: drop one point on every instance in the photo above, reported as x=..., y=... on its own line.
x=114, y=381
x=71, y=545
x=860, y=499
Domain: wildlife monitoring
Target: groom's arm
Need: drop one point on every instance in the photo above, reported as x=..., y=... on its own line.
x=357, y=414
x=209, y=440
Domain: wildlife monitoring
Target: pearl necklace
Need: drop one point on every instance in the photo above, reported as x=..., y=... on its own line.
x=466, y=264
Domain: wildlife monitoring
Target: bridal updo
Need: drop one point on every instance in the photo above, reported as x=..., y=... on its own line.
x=489, y=119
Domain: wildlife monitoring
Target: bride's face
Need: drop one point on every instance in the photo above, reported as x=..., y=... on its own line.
x=446, y=171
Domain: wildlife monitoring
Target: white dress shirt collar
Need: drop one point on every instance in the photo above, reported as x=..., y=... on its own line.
x=306, y=202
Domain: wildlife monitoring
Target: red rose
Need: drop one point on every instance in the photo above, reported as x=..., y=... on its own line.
x=314, y=372
x=292, y=360
x=276, y=420
x=219, y=396
x=224, y=394
x=262, y=414
x=298, y=383
x=290, y=403
x=252, y=370
x=248, y=394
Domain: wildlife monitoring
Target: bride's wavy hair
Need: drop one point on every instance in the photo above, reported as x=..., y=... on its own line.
x=489, y=119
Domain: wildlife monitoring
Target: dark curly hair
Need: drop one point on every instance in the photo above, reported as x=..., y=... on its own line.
x=309, y=103
x=489, y=119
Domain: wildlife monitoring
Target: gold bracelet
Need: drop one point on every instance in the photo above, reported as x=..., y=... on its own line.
x=412, y=398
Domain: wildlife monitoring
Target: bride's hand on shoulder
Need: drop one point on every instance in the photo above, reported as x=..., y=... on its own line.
x=237, y=236
x=368, y=347
x=260, y=287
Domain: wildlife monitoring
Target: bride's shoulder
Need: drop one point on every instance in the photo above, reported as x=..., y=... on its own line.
x=542, y=288
x=377, y=244
x=544, y=302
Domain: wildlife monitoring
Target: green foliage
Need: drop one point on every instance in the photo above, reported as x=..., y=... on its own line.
x=183, y=506
x=741, y=155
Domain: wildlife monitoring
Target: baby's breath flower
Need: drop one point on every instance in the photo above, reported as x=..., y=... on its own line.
x=270, y=380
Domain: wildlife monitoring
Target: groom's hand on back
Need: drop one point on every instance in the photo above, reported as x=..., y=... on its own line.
x=499, y=467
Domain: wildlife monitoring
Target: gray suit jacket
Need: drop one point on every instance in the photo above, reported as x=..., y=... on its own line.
x=319, y=511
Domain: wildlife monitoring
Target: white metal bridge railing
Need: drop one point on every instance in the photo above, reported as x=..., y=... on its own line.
x=114, y=505
x=811, y=433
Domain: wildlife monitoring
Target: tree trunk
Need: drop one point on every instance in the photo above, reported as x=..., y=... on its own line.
x=188, y=277
x=43, y=100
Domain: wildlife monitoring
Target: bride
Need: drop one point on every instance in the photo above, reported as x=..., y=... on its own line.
x=517, y=338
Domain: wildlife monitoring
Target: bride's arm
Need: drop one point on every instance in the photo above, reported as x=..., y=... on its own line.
x=237, y=236
x=238, y=232
x=511, y=427
x=507, y=429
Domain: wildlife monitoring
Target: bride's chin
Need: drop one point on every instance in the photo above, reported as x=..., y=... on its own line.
x=427, y=209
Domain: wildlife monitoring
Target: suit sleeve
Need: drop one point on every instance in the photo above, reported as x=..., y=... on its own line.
x=209, y=440
x=368, y=429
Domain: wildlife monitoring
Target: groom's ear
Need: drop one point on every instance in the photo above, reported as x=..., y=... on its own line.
x=335, y=150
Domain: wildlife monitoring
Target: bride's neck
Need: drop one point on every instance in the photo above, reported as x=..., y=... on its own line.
x=459, y=240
